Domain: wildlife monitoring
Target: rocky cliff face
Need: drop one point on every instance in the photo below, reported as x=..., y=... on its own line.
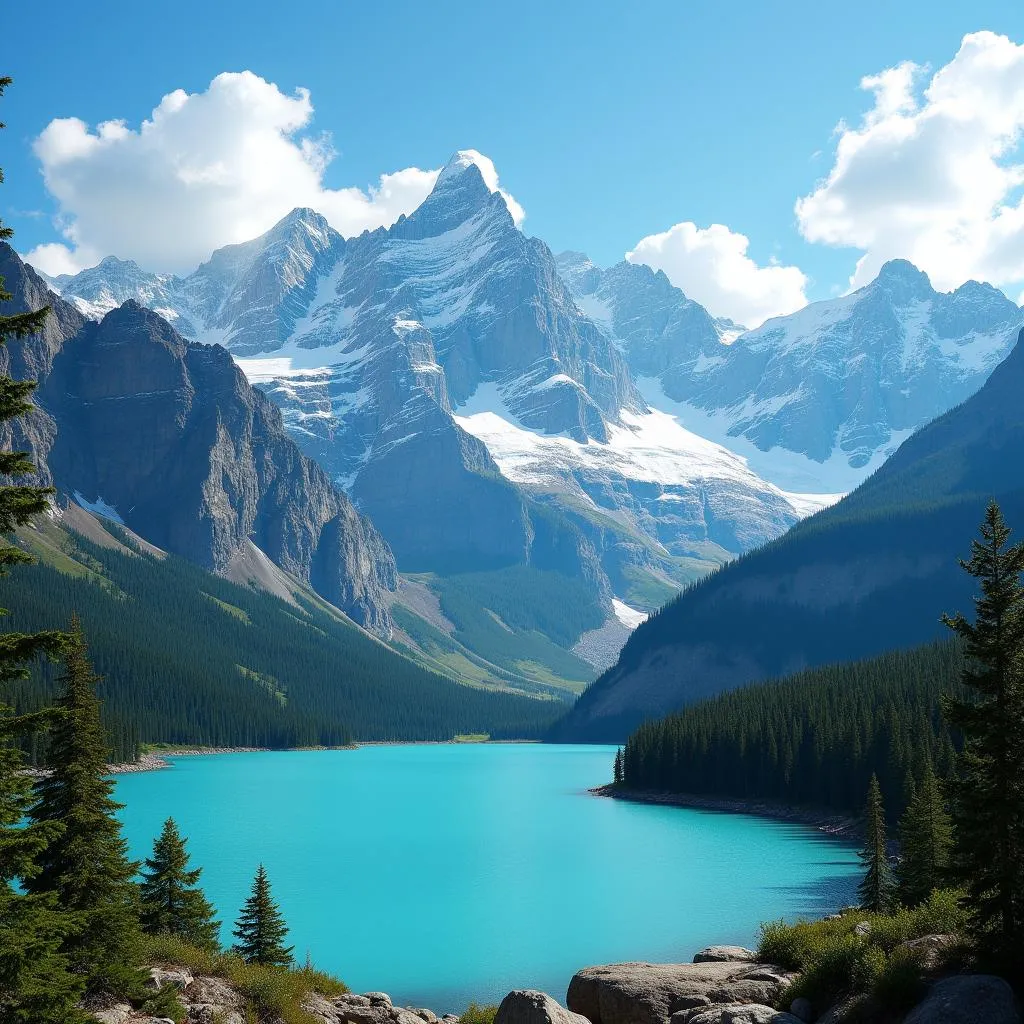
x=169, y=437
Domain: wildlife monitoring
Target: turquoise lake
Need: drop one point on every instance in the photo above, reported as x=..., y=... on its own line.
x=447, y=873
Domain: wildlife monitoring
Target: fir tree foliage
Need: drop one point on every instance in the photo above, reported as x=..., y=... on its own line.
x=87, y=867
x=172, y=902
x=36, y=986
x=260, y=930
x=875, y=889
x=987, y=790
x=926, y=838
x=617, y=773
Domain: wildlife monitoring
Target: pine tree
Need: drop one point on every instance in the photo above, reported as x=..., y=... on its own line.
x=87, y=866
x=617, y=773
x=260, y=929
x=36, y=986
x=172, y=902
x=926, y=838
x=987, y=790
x=875, y=889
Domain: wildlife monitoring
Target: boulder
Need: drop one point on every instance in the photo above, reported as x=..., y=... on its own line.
x=213, y=1001
x=320, y=1009
x=527, y=1006
x=802, y=1008
x=378, y=998
x=742, y=1013
x=642, y=993
x=423, y=1013
x=929, y=949
x=118, y=1014
x=863, y=929
x=967, y=999
x=724, y=954
x=179, y=977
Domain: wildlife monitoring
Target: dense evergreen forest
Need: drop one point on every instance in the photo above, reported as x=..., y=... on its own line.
x=813, y=738
x=190, y=658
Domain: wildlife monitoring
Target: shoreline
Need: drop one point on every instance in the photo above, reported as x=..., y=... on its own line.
x=835, y=826
x=153, y=761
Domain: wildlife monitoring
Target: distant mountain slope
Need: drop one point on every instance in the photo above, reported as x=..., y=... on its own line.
x=189, y=657
x=867, y=575
x=814, y=400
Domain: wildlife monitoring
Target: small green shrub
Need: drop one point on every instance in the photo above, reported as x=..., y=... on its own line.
x=476, y=1014
x=270, y=992
x=900, y=985
x=164, y=1002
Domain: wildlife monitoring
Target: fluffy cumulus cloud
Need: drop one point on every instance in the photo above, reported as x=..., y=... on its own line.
x=204, y=170
x=933, y=172
x=712, y=266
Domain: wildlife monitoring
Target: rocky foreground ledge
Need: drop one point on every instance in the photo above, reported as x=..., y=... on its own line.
x=724, y=985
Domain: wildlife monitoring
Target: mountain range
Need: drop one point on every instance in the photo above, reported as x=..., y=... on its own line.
x=872, y=573
x=500, y=414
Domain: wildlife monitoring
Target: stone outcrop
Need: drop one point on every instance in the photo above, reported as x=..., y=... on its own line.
x=527, y=1006
x=968, y=999
x=738, y=1013
x=642, y=993
x=725, y=954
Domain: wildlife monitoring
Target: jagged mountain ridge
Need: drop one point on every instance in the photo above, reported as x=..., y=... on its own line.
x=168, y=436
x=870, y=574
x=443, y=373
x=815, y=400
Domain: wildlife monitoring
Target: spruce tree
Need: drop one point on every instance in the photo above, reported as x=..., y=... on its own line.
x=875, y=889
x=617, y=773
x=36, y=986
x=987, y=789
x=260, y=929
x=926, y=838
x=87, y=866
x=172, y=902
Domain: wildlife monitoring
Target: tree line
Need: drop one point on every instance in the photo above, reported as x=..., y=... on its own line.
x=814, y=738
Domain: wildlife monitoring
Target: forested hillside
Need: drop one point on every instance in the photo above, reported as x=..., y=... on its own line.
x=189, y=657
x=814, y=738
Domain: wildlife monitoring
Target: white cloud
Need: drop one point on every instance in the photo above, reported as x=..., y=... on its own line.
x=204, y=170
x=711, y=265
x=932, y=175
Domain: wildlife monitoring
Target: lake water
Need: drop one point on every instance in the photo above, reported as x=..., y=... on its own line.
x=442, y=874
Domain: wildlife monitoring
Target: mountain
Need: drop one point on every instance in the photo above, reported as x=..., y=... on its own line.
x=221, y=663
x=167, y=437
x=870, y=574
x=446, y=378
x=815, y=400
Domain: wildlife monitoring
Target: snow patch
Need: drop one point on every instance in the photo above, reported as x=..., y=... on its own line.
x=627, y=616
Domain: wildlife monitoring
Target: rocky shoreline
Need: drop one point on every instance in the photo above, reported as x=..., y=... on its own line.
x=723, y=985
x=835, y=826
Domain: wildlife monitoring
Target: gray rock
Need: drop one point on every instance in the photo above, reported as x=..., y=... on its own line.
x=321, y=1009
x=742, y=1013
x=118, y=1014
x=642, y=993
x=929, y=949
x=967, y=999
x=527, y=1006
x=802, y=1008
x=179, y=977
x=862, y=929
x=724, y=954
x=423, y=1013
x=378, y=998
x=212, y=1000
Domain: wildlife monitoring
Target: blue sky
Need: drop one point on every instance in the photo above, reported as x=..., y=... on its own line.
x=608, y=122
